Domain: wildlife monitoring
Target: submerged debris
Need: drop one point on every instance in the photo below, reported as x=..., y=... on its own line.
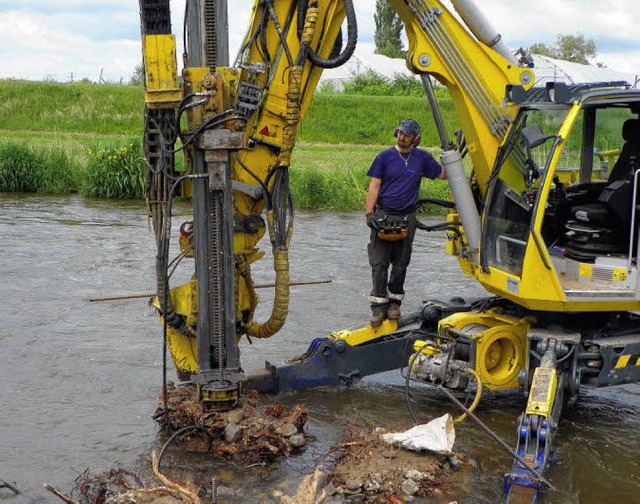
x=118, y=486
x=366, y=467
x=362, y=468
x=247, y=434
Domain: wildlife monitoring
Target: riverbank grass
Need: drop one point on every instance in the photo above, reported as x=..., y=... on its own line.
x=86, y=139
x=322, y=176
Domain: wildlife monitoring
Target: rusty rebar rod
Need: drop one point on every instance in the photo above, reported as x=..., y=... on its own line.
x=118, y=297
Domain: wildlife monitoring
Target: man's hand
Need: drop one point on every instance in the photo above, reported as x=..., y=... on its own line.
x=371, y=222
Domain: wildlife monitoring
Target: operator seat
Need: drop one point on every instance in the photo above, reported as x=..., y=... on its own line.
x=602, y=228
x=631, y=148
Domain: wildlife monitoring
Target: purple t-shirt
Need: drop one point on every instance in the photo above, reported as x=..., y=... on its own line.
x=401, y=184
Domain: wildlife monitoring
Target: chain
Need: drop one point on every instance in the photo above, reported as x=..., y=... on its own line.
x=406, y=160
x=496, y=438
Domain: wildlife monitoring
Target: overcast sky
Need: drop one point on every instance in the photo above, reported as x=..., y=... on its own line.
x=64, y=39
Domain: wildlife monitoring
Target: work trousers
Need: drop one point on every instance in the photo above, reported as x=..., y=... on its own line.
x=382, y=254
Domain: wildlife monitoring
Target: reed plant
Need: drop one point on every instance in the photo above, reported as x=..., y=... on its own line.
x=18, y=169
x=59, y=174
x=26, y=169
x=114, y=172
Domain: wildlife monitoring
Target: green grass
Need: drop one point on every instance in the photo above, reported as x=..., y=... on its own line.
x=356, y=119
x=331, y=177
x=26, y=169
x=74, y=145
x=58, y=138
x=76, y=112
x=71, y=108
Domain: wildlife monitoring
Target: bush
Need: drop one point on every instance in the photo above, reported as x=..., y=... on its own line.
x=372, y=83
x=24, y=169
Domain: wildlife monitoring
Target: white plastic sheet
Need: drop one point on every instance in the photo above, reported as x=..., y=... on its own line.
x=437, y=436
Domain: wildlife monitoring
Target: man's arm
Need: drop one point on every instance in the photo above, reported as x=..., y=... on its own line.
x=442, y=175
x=372, y=195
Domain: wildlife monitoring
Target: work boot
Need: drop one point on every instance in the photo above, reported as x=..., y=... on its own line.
x=377, y=318
x=394, y=311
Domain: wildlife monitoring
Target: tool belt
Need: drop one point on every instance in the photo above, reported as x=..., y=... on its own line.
x=391, y=226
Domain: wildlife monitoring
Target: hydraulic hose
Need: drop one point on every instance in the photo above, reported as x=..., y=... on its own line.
x=308, y=24
x=302, y=13
x=279, y=233
x=352, y=37
x=276, y=23
x=281, y=299
x=477, y=398
x=292, y=117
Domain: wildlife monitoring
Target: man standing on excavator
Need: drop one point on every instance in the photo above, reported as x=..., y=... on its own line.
x=390, y=209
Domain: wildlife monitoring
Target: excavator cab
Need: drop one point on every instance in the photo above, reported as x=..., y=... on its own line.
x=559, y=234
x=602, y=225
x=559, y=249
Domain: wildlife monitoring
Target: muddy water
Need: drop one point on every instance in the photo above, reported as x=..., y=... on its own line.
x=79, y=380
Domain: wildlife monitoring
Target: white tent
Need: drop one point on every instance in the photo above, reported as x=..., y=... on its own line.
x=545, y=69
x=365, y=59
x=548, y=70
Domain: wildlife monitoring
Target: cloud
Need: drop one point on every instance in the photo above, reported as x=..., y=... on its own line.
x=60, y=37
x=37, y=49
x=546, y=18
x=610, y=23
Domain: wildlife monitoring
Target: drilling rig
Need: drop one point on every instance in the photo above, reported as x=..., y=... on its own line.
x=550, y=234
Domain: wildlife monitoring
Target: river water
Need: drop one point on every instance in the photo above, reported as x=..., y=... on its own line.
x=80, y=379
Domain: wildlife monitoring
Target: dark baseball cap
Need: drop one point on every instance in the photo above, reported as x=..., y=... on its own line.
x=409, y=127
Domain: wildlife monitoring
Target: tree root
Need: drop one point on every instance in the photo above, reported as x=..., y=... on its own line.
x=172, y=485
x=59, y=494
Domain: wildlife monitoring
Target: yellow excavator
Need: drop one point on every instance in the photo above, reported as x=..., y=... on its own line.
x=544, y=221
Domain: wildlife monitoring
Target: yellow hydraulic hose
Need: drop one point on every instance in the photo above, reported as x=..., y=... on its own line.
x=477, y=398
x=280, y=300
x=292, y=116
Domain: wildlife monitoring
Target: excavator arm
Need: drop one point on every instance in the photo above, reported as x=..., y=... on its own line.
x=237, y=127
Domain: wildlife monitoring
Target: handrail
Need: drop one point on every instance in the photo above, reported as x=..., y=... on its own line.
x=633, y=219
